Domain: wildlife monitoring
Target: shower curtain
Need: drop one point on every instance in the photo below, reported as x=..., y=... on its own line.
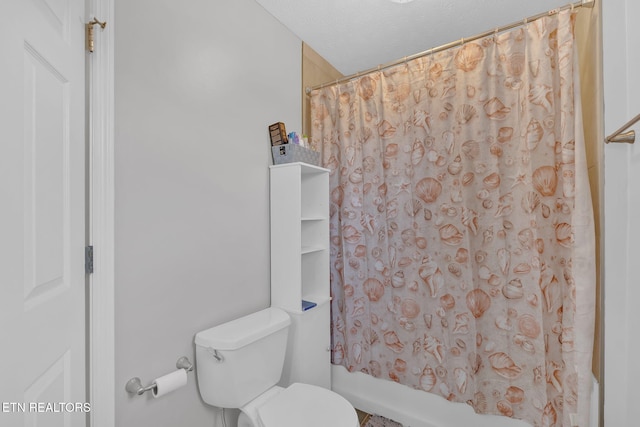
x=462, y=241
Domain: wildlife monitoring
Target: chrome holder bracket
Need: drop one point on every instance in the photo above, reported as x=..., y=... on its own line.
x=134, y=385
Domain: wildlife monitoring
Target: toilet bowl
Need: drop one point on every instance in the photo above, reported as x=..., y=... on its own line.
x=298, y=405
x=240, y=362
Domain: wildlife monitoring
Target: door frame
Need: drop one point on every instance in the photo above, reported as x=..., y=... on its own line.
x=101, y=182
x=620, y=60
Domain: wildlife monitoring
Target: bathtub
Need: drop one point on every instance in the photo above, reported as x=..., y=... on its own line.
x=414, y=408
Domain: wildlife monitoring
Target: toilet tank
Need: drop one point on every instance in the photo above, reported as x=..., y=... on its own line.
x=241, y=359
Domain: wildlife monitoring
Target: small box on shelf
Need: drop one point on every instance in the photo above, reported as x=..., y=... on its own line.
x=278, y=134
x=291, y=153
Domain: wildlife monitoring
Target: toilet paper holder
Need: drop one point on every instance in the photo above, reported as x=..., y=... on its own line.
x=134, y=385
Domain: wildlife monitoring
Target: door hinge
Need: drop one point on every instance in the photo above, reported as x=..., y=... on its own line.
x=90, y=25
x=88, y=259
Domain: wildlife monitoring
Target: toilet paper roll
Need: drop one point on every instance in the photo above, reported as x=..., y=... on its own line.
x=170, y=382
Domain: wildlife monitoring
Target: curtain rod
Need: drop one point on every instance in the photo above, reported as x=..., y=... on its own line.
x=581, y=3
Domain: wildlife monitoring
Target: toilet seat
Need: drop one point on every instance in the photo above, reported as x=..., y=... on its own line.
x=307, y=405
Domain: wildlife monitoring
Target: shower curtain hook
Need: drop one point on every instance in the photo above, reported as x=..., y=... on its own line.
x=461, y=41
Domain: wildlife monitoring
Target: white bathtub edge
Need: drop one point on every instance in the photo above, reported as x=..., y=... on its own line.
x=414, y=408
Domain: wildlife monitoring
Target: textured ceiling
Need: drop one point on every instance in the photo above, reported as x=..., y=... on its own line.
x=355, y=35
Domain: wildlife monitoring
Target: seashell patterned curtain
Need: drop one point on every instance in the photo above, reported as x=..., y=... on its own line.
x=462, y=241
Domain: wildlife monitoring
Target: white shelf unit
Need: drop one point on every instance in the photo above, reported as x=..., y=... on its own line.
x=299, y=235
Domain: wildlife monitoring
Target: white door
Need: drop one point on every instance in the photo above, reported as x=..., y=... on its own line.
x=42, y=213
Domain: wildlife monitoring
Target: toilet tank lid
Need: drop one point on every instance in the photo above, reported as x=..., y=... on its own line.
x=245, y=330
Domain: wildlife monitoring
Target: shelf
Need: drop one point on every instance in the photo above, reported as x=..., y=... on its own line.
x=305, y=168
x=311, y=249
x=313, y=218
x=299, y=216
x=300, y=267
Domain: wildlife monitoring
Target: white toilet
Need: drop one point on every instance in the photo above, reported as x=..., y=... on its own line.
x=239, y=364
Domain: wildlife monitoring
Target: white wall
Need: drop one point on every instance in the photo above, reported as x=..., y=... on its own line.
x=621, y=48
x=197, y=84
